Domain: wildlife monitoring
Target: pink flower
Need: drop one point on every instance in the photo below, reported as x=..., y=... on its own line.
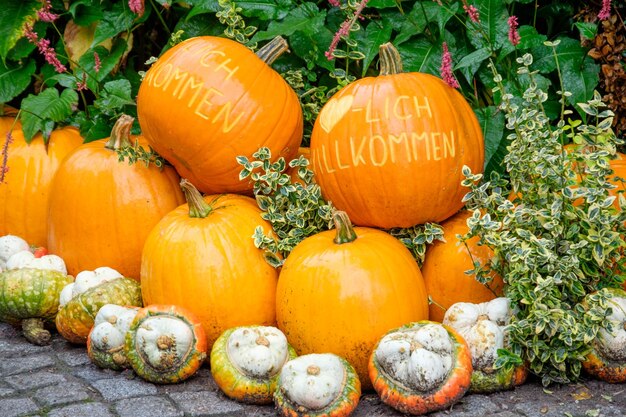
x=45, y=15
x=82, y=85
x=471, y=11
x=605, y=12
x=5, y=156
x=43, y=45
x=446, y=68
x=136, y=6
x=334, y=3
x=514, y=37
x=96, y=62
x=344, y=30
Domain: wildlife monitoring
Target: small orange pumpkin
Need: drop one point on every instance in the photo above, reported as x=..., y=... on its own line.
x=389, y=150
x=444, y=269
x=202, y=255
x=340, y=290
x=208, y=100
x=102, y=209
x=25, y=191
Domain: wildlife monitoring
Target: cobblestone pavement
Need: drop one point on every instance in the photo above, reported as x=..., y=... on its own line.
x=60, y=381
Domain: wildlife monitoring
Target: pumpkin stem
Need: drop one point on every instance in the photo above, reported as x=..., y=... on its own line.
x=198, y=207
x=345, y=231
x=120, y=134
x=34, y=332
x=390, y=61
x=273, y=50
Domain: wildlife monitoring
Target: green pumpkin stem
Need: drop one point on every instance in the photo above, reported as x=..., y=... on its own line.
x=34, y=332
x=198, y=207
x=345, y=231
x=120, y=134
x=273, y=50
x=390, y=62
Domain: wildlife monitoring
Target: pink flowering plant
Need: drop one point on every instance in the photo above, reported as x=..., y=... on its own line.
x=79, y=62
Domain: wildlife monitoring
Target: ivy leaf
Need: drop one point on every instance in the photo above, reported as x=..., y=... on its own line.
x=38, y=111
x=114, y=96
x=370, y=41
x=13, y=16
x=14, y=79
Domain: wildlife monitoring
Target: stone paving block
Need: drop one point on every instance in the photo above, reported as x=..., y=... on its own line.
x=147, y=407
x=5, y=392
x=92, y=373
x=207, y=404
x=24, y=364
x=75, y=357
x=371, y=405
x=20, y=347
x=30, y=380
x=13, y=407
x=200, y=381
x=61, y=394
x=82, y=410
x=8, y=332
x=114, y=389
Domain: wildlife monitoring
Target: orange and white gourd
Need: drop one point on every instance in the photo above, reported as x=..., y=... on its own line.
x=81, y=300
x=246, y=362
x=106, y=341
x=421, y=367
x=483, y=326
x=9, y=246
x=165, y=344
x=316, y=385
x=27, y=259
x=607, y=359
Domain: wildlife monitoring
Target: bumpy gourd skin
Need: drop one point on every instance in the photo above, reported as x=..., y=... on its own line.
x=29, y=294
x=76, y=318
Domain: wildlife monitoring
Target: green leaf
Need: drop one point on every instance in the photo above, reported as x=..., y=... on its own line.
x=568, y=50
x=580, y=80
x=529, y=38
x=493, y=23
x=383, y=4
x=48, y=106
x=473, y=59
x=114, y=96
x=420, y=56
x=492, y=124
x=305, y=18
x=109, y=60
x=266, y=9
x=587, y=29
x=15, y=78
x=115, y=21
x=13, y=16
x=370, y=41
x=413, y=23
x=313, y=45
x=86, y=12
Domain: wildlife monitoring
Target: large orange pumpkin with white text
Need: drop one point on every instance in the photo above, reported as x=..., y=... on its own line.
x=102, y=209
x=202, y=256
x=340, y=290
x=444, y=269
x=208, y=100
x=389, y=150
x=25, y=189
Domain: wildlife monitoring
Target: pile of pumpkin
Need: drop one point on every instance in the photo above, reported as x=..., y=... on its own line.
x=162, y=284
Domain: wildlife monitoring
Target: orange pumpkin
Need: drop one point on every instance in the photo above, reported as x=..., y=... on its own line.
x=389, y=150
x=444, y=269
x=340, y=291
x=25, y=191
x=102, y=209
x=202, y=256
x=208, y=100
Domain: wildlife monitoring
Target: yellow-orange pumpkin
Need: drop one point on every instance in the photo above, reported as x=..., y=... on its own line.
x=444, y=269
x=102, y=209
x=208, y=100
x=25, y=191
x=389, y=150
x=340, y=291
x=202, y=256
